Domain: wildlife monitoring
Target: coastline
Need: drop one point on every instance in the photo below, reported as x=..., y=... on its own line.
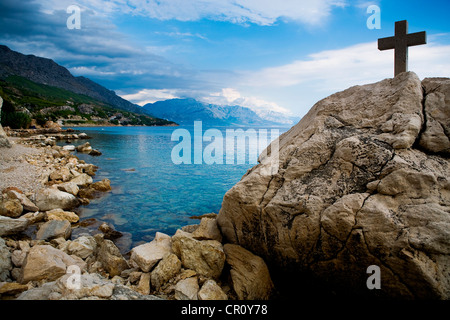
x=43, y=244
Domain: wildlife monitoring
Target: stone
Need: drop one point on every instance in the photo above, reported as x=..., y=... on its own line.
x=357, y=183
x=165, y=270
x=69, y=187
x=207, y=230
x=12, y=288
x=249, y=274
x=61, y=174
x=82, y=247
x=95, y=153
x=187, y=289
x=69, y=147
x=26, y=203
x=44, y=262
x=110, y=257
x=145, y=256
x=436, y=136
x=211, y=291
x=85, y=147
x=4, y=141
x=49, y=198
x=54, y=229
x=12, y=226
x=143, y=286
x=34, y=217
x=109, y=232
x=11, y=208
x=205, y=257
x=5, y=261
x=59, y=214
x=82, y=180
x=104, y=185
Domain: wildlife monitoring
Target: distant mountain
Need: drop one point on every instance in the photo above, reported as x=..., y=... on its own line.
x=46, y=71
x=186, y=111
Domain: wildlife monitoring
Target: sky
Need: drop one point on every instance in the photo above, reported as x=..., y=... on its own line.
x=278, y=55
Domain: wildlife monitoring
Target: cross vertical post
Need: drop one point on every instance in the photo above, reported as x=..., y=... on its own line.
x=400, y=43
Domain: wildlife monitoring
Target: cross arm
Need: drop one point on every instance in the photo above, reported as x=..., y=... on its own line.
x=418, y=38
x=386, y=43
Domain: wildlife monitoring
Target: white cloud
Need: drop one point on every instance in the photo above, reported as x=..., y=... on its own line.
x=230, y=96
x=145, y=96
x=261, y=12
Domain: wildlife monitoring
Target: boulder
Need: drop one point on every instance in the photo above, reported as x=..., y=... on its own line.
x=59, y=214
x=26, y=203
x=436, y=136
x=82, y=247
x=82, y=180
x=69, y=187
x=187, y=289
x=69, y=147
x=110, y=257
x=205, y=257
x=5, y=261
x=207, y=230
x=211, y=291
x=143, y=286
x=54, y=229
x=104, y=185
x=85, y=147
x=11, y=226
x=349, y=188
x=44, y=262
x=11, y=208
x=249, y=274
x=166, y=269
x=145, y=256
x=49, y=199
x=61, y=174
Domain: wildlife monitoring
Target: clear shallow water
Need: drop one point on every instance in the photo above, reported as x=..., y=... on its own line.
x=149, y=192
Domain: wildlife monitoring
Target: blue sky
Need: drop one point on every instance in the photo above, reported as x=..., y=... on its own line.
x=282, y=55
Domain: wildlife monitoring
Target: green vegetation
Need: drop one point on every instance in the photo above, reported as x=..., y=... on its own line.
x=25, y=100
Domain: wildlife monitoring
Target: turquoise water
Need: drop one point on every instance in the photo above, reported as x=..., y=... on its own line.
x=149, y=191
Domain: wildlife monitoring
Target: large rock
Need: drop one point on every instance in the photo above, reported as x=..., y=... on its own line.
x=11, y=226
x=436, y=136
x=26, y=203
x=49, y=199
x=59, y=214
x=145, y=256
x=205, y=257
x=249, y=274
x=187, y=289
x=351, y=190
x=44, y=262
x=5, y=261
x=11, y=208
x=166, y=269
x=110, y=257
x=4, y=142
x=211, y=291
x=54, y=229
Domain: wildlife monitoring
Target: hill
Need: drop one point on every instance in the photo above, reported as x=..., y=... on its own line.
x=35, y=87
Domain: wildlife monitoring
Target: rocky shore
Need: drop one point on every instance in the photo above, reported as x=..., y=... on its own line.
x=47, y=253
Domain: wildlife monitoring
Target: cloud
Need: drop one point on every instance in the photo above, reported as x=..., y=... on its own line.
x=145, y=96
x=231, y=96
x=260, y=12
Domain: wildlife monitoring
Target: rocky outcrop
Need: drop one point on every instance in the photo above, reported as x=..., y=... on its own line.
x=362, y=179
x=4, y=142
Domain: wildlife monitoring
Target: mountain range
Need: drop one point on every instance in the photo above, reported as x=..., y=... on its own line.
x=30, y=84
x=186, y=111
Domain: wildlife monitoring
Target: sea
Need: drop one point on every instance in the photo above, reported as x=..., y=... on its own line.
x=163, y=176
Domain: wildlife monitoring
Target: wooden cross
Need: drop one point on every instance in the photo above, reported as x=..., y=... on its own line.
x=400, y=42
